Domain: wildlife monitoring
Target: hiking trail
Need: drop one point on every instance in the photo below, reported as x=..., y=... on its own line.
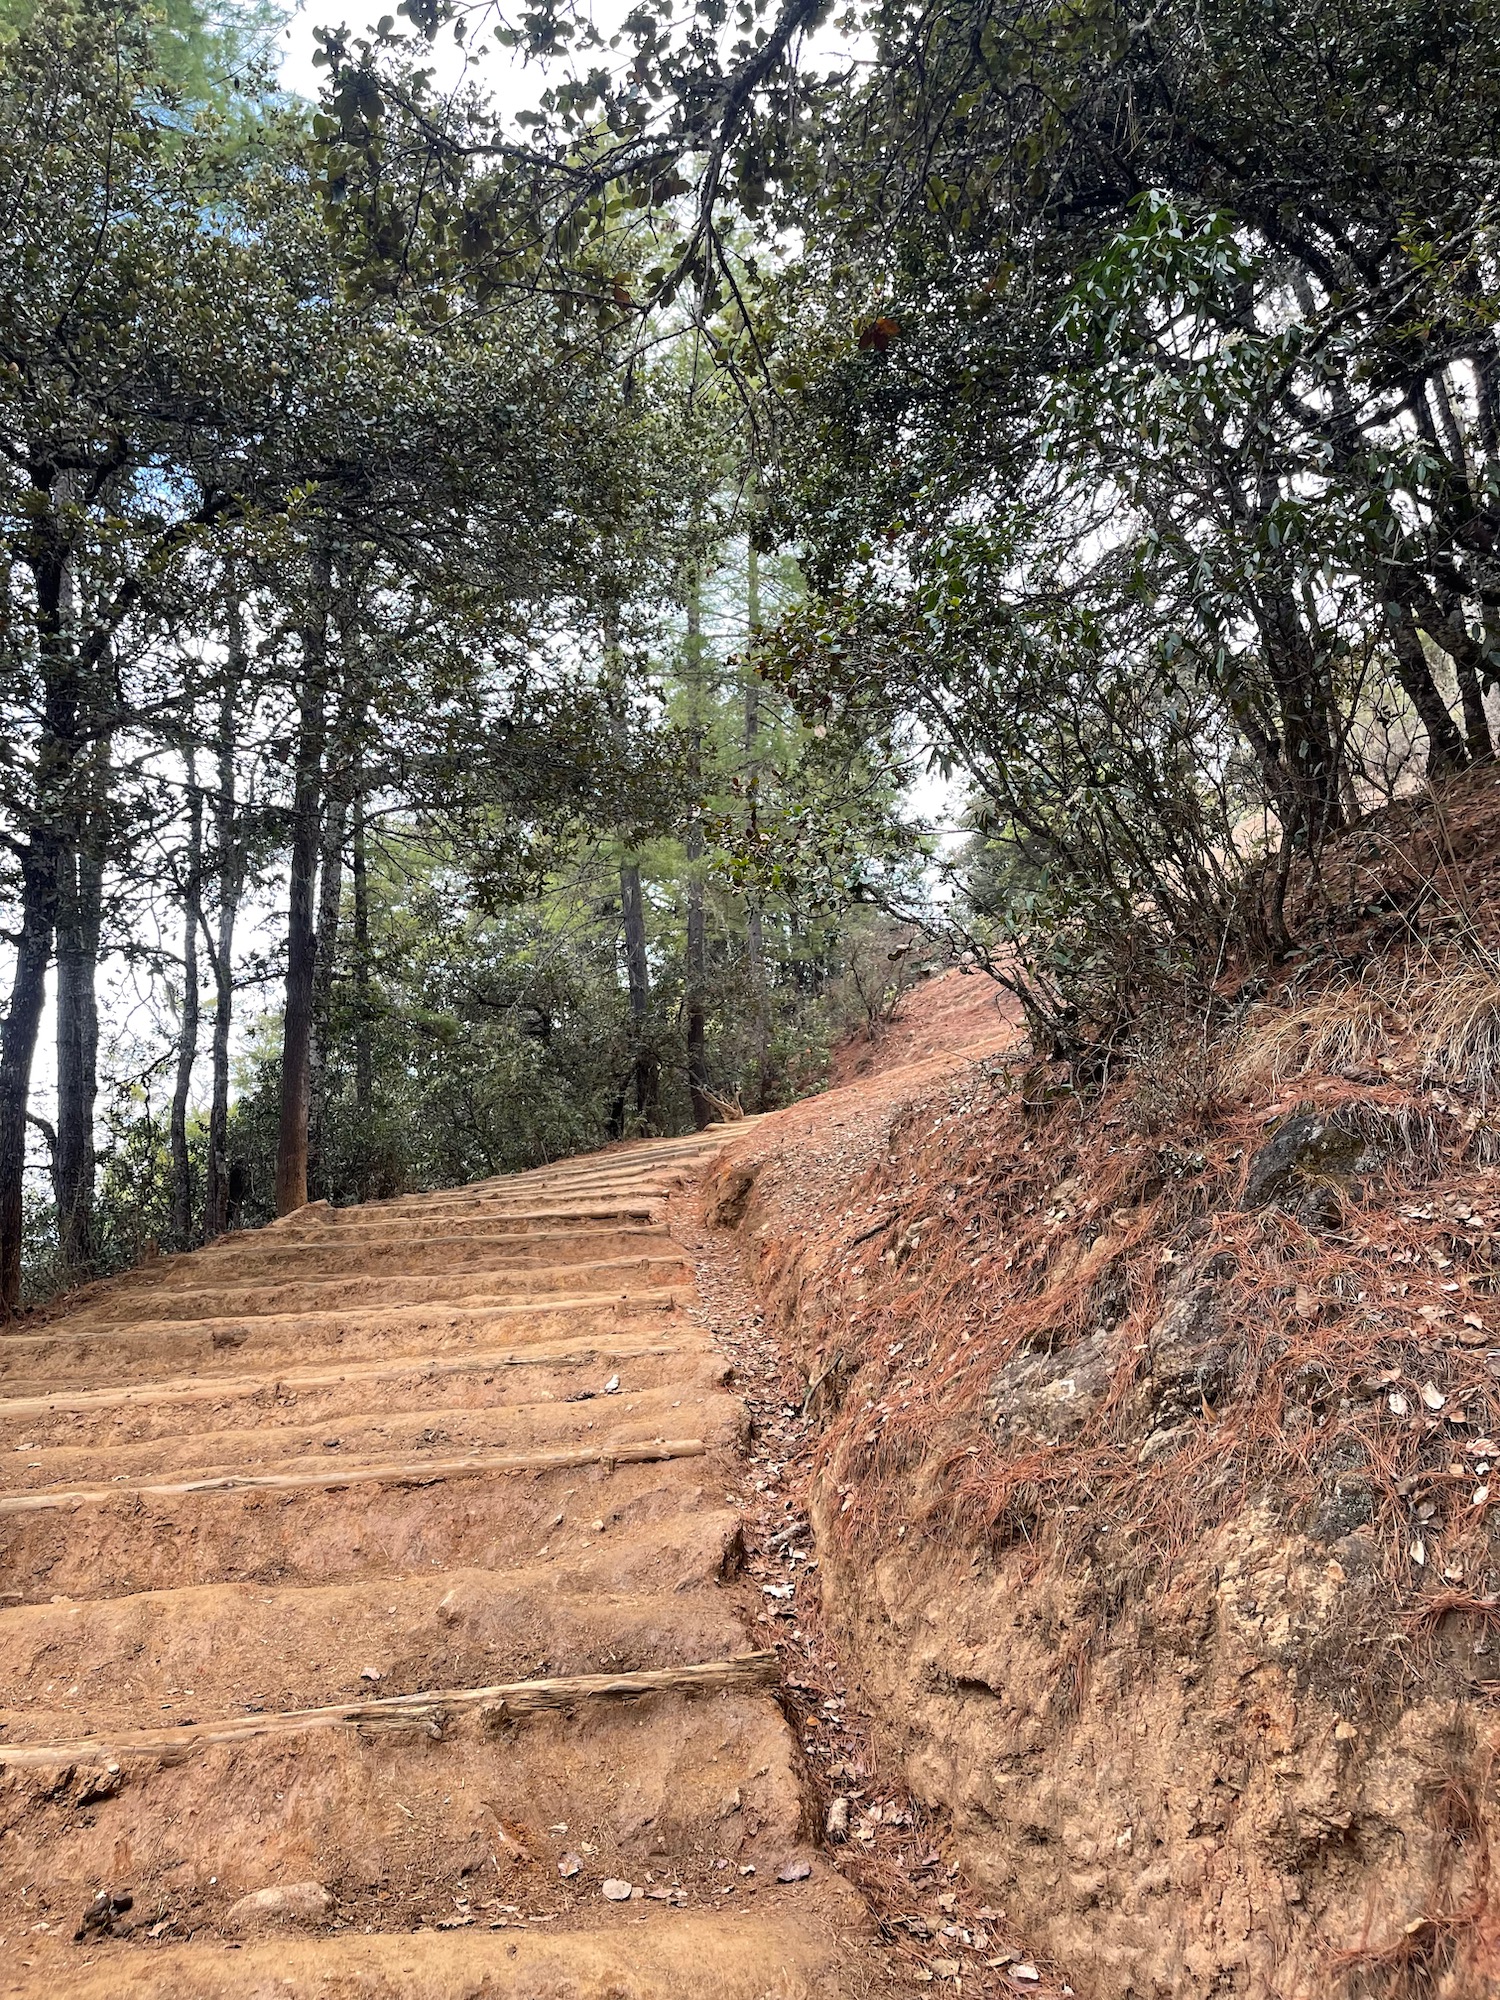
x=371, y=1625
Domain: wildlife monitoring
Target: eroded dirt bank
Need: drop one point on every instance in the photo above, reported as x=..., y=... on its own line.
x=1149, y=1462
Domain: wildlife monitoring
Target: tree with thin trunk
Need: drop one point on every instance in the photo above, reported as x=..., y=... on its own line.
x=696, y=996
x=80, y=901
x=306, y=832
x=187, y=1033
x=755, y=947
x=229, y=858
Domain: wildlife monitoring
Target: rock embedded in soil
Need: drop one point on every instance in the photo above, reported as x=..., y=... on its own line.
x=292, y=1902
x=1307, y=1149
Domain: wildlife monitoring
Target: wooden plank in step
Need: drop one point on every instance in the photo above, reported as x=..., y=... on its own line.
x=381, y=1474
x=429, y=1711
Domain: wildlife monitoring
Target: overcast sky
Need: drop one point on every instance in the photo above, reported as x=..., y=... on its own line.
x=512, y=83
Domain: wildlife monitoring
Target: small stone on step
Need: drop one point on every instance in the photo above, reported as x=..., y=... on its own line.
x=794, y=1871
x=616, y=1891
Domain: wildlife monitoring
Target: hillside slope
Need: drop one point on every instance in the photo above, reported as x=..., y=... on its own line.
x=1153, y=1472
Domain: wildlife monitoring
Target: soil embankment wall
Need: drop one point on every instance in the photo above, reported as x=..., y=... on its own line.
x=1153, y=1522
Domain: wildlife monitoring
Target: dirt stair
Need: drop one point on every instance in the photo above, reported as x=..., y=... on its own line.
x=385, y=1559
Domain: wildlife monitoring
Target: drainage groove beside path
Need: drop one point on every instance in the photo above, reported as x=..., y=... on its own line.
x=370, y=1622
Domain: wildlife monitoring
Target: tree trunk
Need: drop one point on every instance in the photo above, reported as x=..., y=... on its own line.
x=53, y=811
x=638, y=979
x=364, y=1063
x=344, y=765
x=755, y=948
x=1446, y=751
x=330, y=902
x=79, y=918
x=221, y=946
x=645, y=1069
x=18, y=1047
x=187, y=1040
x=697, y=933
x=302, y=941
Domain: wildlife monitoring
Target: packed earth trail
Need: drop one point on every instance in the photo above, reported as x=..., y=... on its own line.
x=371, y=1622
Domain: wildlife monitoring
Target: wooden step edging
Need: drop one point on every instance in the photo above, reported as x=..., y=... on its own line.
x=222, y=1388
x=234, y=1329
x=330, y=1478
x=427, y=1714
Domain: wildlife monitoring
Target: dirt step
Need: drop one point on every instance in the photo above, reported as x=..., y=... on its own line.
x=664, y=1511
x=302, y=1476
x=320, y=1224
x=189, y=1717
x=362, y=1435
x=793, y=1945
x=297, y=1294
x=438, y=1385
x=215, y=1652
x=672, y=1781
x=87, y=1354
x=255, y=1260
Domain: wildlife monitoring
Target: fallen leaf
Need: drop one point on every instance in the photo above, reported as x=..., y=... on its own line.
x=1433, y=1396
x=1481, y=1494
x=1419, y=1552
x=1397, y=1404
x=569, y=1865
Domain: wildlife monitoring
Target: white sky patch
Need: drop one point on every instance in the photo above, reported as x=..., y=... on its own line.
x=514, y=83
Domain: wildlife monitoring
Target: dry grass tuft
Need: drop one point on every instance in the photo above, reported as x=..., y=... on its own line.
x=1350, y=1028
x=1456, y=1021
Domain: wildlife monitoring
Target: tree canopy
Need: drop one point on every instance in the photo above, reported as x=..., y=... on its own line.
x=479, y=586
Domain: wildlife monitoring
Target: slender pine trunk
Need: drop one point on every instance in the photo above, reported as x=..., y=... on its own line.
x=330, y=901
x=302, y=941
x=364, y=1055
x=755, y=947
x=80, y=906
x=18, y=1041
x=696, y=1001
x=644, y=1067
x=187, y=1039
x=53, y=809
x=230, y=868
